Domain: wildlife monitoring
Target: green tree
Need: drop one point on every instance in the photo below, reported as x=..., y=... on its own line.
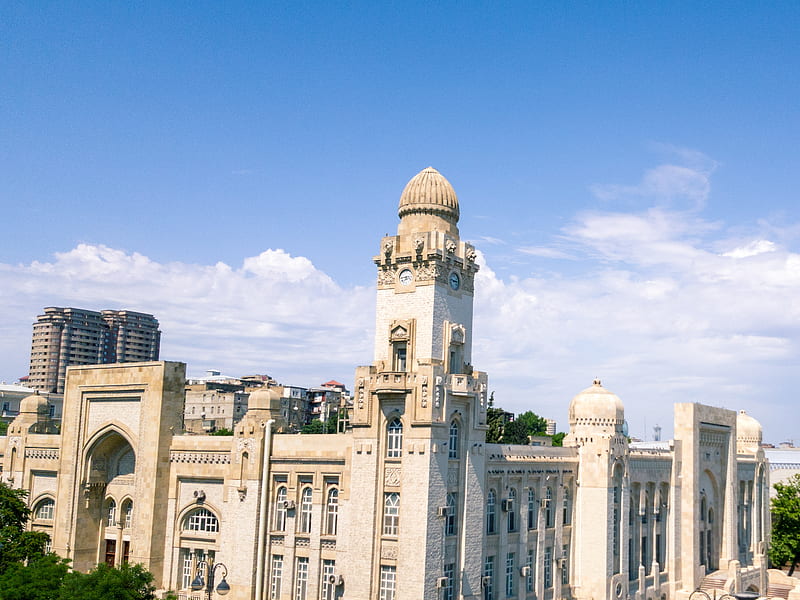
x=534, y=424
x=39, y=579
x=223, y=431
x=495, y=419
x=558, y=438
x=16, y=544
x=128, y=582
x=515, y=432
x=317, y=426
x=785, y=546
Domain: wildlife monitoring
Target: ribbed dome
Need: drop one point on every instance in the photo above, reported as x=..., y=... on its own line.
x=429, y=192
x=596, y=406
x=34, y=404
x=264, y=398
x=748, y=430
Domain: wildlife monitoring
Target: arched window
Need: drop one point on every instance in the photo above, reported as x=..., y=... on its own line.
x=332, y=512
x=202, y=520
x=453, y=451
x=280, y=509
x=391, y=513
x=394, y=439
x=533, y=512
x=305, y=510
x=44, y=510
x=127, y=514
x=111, y=513
x=491, y=512
x=512, y=510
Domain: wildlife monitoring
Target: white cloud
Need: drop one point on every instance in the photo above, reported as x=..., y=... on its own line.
x=275, y=313
x=753, y=248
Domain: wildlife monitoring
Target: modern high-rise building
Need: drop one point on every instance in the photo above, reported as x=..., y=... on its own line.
x=74, y=336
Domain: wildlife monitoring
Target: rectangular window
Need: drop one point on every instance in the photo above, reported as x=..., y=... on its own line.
x=301, y=578
x=488, y=578
x=565, y=565
x=548, y=567
x=531, y=564
x=450, y=525
x=276, y=577
x=111, y=552
x=447, y=592
x=400, y=357
x=510, y=574
x=328, y=587
x=388, y=583
x=391, y=513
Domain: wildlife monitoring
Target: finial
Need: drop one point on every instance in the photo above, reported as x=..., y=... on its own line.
x=596, y=381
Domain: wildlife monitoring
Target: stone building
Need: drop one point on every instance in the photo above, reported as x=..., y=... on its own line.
x=410, y=502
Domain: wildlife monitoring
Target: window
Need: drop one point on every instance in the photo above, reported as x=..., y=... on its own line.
x=190, y=565
x=328, y=587
x=301, y=578
x=491, y=512
x=127, y=511
x=512, y=510
x=453, y=451
x=332, y=512
x=565, y=565
x=450, y=524
x=447, y=592
x=510, y=574
x=44, y=510
x=400, y=351
x=276, y=577
x=111, y=513
x=531, y=564
x=391, y=513
x=533, y=513
x=201, y=520
x=388, y=583
x=488, y=578
x=548, y=508
x=305, y=511
x=394, y=439
x=548, y=567
x=280, y=509
x=567, y=507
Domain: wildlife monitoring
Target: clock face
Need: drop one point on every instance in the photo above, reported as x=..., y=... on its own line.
x=455, y=281
x=405, y=277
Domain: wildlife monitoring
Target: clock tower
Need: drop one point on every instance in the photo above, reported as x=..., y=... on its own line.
x=419, y=411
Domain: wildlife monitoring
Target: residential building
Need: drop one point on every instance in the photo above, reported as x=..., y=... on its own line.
x=75, y=336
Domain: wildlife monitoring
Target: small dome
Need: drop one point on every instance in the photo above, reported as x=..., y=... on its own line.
x=34, y=404
x=596, y=406
x=429, y=192
x=748, y=430
x=264, y=399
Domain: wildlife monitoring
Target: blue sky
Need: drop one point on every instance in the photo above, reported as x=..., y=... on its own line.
x=628, y=171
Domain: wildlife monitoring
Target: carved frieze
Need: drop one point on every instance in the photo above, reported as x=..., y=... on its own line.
x=391, y=477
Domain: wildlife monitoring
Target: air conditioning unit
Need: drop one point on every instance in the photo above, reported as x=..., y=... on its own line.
x=486, y=581
x=289, y=504
x=525, y=571
x=561, y=562
x=441, y=582
x=441, y=512
x=545, y=502
x=332, y=579
x=507, y=505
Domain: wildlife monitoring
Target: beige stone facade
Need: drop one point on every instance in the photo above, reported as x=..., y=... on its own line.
x=410, y=502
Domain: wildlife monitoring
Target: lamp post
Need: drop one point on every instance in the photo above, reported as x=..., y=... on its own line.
x=211, y=568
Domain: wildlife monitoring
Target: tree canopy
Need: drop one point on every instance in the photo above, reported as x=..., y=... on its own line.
x=785, y=546
x=16, y=544
x=505, y=429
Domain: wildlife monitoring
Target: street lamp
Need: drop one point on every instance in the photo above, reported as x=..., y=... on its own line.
x=198, y=583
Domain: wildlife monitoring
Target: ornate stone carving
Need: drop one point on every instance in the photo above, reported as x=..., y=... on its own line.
x=450, y=246
x=216, y=458
x=389, y=551
x=388, y=246
x=386, y=277
x=391, y=477
x=419, y=244
x=472, y=255
x=452, y=477
x=43, y=453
